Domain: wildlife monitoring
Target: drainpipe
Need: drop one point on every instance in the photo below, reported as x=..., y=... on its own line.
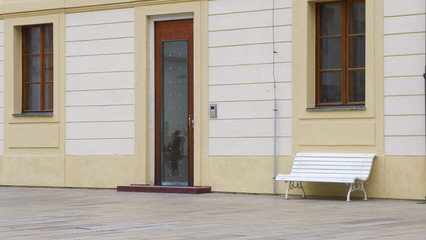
x=275, y=96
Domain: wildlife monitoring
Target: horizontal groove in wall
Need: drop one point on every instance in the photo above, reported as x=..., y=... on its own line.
x=104, y=121
x=245, y=156
x=249, y=44
x=247, y=28
x=263, y=100
x=97, y=72
x=263, y=10
x=98, y=24
x=110, y=105
x=406, y=76
x=404, y=33
x=404, y=115
x=91, y=139
x=101, y=54
x=33, y=148
x=38, y=122
x=94, y=40
x=397, y=136
x=405, y=15
x=404, y=55
x=250, y=64
x=403, y=76
x=100, y=90
x=97, y=155
x=410, y=95
x=100, y=72
x=251, y=83
x=314, y=119
x=248, y=119
x=249, y=101
x=259, y=137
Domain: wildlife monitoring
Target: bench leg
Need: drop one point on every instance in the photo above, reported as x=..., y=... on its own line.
x=288, y=189
x=358, y=185
x=348, y=198
x=363, y=189
x=303, y=190
x=291, y=185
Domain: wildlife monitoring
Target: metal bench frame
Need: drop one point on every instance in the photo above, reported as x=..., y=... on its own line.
x=354, y=170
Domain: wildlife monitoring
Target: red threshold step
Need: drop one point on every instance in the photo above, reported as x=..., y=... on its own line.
x=163, y=189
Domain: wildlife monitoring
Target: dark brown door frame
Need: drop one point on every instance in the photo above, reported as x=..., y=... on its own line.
x=164, y=31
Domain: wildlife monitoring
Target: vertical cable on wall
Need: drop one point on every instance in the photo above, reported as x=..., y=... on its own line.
x=275, y=95
x=424, y=75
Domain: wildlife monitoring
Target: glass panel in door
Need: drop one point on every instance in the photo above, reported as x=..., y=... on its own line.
x=174, y=114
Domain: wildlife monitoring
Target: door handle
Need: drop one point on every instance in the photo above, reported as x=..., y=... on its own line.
x=191, y=121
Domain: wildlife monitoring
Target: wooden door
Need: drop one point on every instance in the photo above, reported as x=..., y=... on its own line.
x=174, y=111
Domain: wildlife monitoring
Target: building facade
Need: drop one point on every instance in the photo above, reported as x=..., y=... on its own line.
x=101, y=93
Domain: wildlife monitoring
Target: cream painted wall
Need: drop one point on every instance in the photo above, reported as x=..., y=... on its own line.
x=404, y=59
x=100, y=98
x=241, y=77
x=100, y=95
x=1, y=86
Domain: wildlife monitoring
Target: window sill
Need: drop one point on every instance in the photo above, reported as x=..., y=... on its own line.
x=336, y=108
x=34, y=114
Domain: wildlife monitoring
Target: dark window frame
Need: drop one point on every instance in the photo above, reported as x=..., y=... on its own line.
x=45, y=102
x=345, y=36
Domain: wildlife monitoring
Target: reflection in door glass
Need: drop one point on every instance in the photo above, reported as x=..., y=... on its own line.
x=174, y=116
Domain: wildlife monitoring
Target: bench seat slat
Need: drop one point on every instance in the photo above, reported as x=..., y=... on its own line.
x=331, y=167
x=333, y=159
x=345, y=155
x=302, y=175
x=327, y=171
x=317, y=179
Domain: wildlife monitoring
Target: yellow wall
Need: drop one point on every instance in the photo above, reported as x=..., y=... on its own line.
x=34, y=149
x=355, y=131
x=35, y=162
x=143, y=171
x=98, y=171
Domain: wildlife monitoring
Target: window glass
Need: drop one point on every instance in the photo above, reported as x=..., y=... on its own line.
x=331, y=53
x=331, y=19
x=37, y=87
x=357, y=86
x=331, y=87
x=33, y=99
x=48, y=39
x=356, y=17
x=340, y=39
x=33, y=69
x=357, y=52
x=32, y=43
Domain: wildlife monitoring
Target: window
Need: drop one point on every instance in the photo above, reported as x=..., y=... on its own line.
x=340, y=53
x=37, y=68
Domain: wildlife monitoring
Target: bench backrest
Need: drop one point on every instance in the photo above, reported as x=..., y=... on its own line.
x=338, y=165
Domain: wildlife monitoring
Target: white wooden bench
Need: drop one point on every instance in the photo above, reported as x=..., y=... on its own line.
x=349, y=168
